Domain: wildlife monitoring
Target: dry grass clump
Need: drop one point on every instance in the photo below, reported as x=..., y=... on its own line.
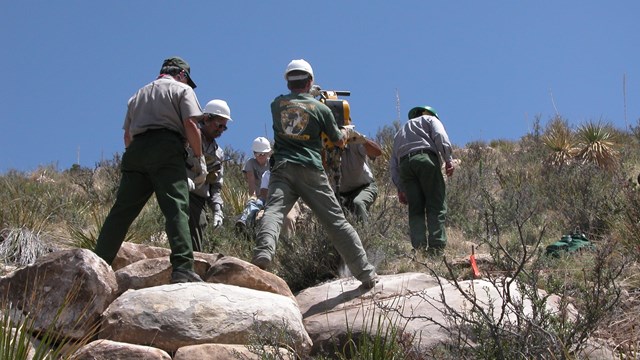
x=622, y=331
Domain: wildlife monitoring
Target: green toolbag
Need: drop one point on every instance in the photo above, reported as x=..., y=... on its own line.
x=569, y=244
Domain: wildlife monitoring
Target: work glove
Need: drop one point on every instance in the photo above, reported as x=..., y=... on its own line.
x=354, y=137
x=214, y=169
x=200, y=169
x=191, y=184
x=315, y=90
x=402, y=197
x=448, y=168
x=217, y=215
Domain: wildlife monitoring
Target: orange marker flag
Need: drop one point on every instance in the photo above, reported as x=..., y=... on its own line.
x=474, y=266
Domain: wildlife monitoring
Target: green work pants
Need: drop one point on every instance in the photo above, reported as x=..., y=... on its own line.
x=287, y=183
x=424, y=186
x=153, y=163
x=359, y=201
x=197, y=220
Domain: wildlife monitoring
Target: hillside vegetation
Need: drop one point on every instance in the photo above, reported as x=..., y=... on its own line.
x=507, y=199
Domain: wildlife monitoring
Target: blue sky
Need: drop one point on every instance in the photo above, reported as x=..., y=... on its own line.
x=489, y=68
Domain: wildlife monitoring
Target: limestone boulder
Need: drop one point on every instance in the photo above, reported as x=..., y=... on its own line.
x=144, y=273
x=130, y=252
x=151, y=272
x=65, y=291
x=209, y=258
x=108, y=350
x=226, y=351
x=172, y=316
x=412, y=302
x=240, y=310
x=233, y=271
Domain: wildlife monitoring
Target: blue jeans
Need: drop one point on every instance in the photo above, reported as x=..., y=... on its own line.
x=251, y=209
x=291, y=181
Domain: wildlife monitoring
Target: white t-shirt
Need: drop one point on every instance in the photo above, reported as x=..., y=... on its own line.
x=264, y=182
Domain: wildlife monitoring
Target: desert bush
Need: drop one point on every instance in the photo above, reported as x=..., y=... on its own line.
x=100, y=184
x=504, y=146
x=626, y=223
x=307, y=258
x=465, y=188
x=384, y=138
x=517, y=208
x=525, y=325
x=582, y=195
x=30, y=203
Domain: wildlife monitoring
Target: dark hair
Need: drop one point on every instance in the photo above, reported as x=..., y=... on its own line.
x=298, y=84
x=171, y=70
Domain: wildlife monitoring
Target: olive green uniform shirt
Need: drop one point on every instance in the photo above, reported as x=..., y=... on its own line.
x=298, y=122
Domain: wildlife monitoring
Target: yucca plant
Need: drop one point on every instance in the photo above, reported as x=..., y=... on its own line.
x=235, y=199
x=21, y=246
x=559, y=140
x=235, y=190
x=148, y=227
x=86, y=237
x=382, y=336
x=597, y=144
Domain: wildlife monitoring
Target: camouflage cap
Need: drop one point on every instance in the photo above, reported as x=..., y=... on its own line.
x=179, y=62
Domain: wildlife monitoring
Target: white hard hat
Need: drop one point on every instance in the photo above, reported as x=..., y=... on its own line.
x=218, y=107
x=298, y=64
x=261, y=145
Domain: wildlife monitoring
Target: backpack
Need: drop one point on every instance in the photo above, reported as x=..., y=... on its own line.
x=569, y=244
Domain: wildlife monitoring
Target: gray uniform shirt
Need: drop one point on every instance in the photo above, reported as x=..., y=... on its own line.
x=354, y=168
x=422, y=133
x=161, y=104
x=212, y=187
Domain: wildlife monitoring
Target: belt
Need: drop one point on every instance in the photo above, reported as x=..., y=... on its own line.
x=414, y=153
x=155, y=131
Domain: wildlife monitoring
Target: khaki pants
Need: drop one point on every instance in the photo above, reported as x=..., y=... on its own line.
x=289, y=223
x=291, y=181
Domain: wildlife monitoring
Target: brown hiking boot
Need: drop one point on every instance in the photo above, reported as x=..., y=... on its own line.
x=262, y=262
x=368, y=284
